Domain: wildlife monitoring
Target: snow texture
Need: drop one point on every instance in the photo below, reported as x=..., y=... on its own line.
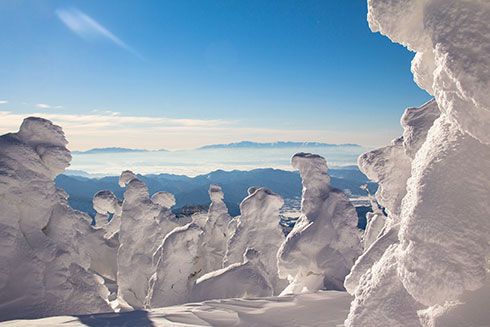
x=258, y=228
x=324, y=243
x=45, y=245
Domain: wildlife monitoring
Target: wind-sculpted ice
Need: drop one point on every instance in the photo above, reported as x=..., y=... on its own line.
x=216, y=235
x=444, y=244
x=178, y=265
x=144, y=224
x=248, y=278
x=45, y=245
x=323, y=245
x=258, y=228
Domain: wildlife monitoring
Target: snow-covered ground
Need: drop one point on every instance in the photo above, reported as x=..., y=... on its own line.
x=326, y=309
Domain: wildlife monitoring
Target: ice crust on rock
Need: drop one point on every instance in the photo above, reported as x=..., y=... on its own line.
x=324, y=243
x=144, y=224
x=258, y=228
x=178, y=264
x=45, y=257
x=237, y=280
x=441, y=260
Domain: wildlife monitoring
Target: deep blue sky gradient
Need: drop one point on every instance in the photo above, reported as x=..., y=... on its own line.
x=294, y=64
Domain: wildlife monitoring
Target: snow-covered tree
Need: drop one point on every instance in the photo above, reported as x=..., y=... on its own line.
x=178, y=264
x=444, y=244
x=144, y=224
x=324, y=243
x=45, y=244
x=258, y=228
x=216, y=235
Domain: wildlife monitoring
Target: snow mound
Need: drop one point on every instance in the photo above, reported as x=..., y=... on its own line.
x=324, y=243
x=45, y=245
x=245, y=279
x=258, y=228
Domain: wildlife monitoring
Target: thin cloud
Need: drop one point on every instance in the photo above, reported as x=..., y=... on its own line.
x=3, y=102
x=43, y=106
x=88, y=28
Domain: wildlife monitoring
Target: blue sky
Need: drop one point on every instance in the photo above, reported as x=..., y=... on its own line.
x=178, y=74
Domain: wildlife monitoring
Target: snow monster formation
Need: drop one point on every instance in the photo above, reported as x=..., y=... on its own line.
x=440, y=258
x=177, y=267
x=216, y=235
x=258, y=228
x=144, y=224
x=325, y=241
x=44, y=244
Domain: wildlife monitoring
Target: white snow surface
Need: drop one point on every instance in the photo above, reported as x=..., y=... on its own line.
x=324, y=243
x=258, y=228
x=45, y=245
x=322, y=309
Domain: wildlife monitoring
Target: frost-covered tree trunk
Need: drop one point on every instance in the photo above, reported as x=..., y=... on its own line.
x=324, y=243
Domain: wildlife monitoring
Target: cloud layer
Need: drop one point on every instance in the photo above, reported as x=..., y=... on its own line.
x=109, y=129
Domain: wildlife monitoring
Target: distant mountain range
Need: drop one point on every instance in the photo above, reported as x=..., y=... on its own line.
x=113, y=150
x=240, y=145
x=280, y=144
x=191, y=191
